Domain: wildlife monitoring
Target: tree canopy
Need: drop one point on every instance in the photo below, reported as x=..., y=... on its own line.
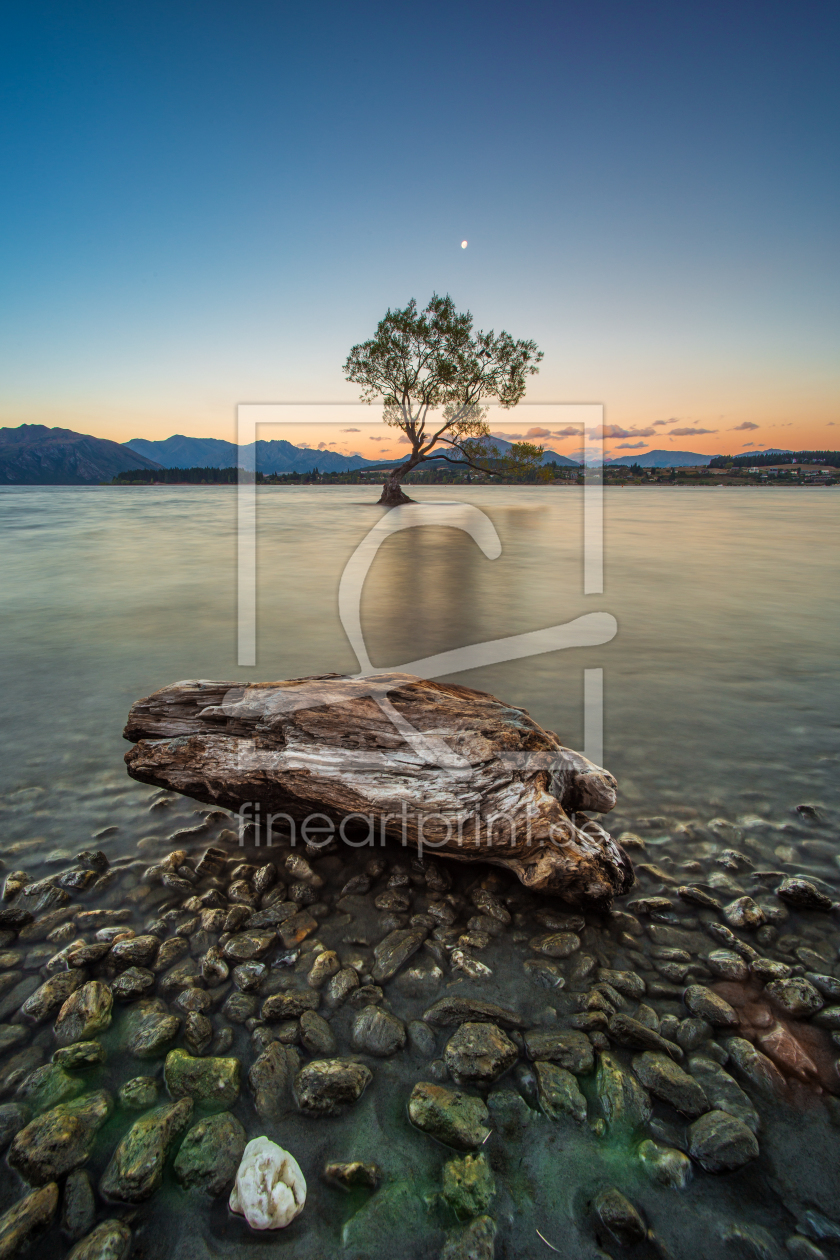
x=432, y=372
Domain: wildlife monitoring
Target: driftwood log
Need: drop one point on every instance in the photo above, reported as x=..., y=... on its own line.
x=434, y=766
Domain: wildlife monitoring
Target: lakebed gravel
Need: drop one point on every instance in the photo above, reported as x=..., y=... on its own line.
x=461, y=1068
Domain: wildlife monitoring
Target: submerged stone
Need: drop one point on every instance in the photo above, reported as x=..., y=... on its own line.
x=706, y=1004
x=797, y=997
x=477, y=1241
x=454, y=1118
x=59, y=1140
x=665, y=1165
x=558, y=1092
x=85, y=1013
x=51, y=995
x=80, y=1055
x=138, y=1094
x=666, y=1080
x=376, y=1032
x=270, y=1190
x=449, y=1011
x=47, y=1086
x=468, y=1185
x=568, y=1048
x=150, y=1029
x=210, y=1154
x=13, y=1117
x=136, y=1167
x=618, y=1215
x=132, y=983
x=26, y=1219
x=325, y=1086
x=479, y=1053
x=722, y=1092
x=384, y=1223
x=353, y=1174
x=623, y=1100
x=720, y=1142
x=755, y=1066
x=78, y=1208
x=395, y=950
x=210, y=1082
x=109, y=1241
x=271, y=1077
x=633, y=1033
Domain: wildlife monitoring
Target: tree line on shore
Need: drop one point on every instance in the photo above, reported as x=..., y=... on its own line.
x=773, y=459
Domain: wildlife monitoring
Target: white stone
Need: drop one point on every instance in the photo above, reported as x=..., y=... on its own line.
x=270, y=1189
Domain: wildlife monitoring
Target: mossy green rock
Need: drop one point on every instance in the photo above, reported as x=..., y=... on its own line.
x=455, y=1118
x=79, y=1056
x=212, y=1083
x=477, y=1241
x=26, y=1219
x=48, y=1086
x=136, y=1167
x=210, y=1154
x=109, y=1241
x=139, y=1093
x=558, y=1092
x=60, y=1139
x=384, y=1223
x=468, y=1185
x=86, y=1012
x=150, y=1029
x=625, y=1104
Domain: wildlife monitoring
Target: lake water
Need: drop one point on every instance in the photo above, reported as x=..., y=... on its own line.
x=721, y=693
x=721, y=681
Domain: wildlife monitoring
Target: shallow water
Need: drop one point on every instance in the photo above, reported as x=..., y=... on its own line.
x=721, y=695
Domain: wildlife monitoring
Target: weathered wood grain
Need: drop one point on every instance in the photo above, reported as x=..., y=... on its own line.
x=433, y=765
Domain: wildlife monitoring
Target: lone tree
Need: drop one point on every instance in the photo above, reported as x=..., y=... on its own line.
x=420, y=363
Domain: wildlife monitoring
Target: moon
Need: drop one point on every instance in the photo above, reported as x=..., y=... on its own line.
x=464, y=244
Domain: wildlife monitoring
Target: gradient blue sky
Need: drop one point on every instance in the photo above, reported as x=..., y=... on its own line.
x=207, y=203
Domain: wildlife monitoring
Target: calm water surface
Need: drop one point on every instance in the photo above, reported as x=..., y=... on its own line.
x=721, y=701
x=722, y=679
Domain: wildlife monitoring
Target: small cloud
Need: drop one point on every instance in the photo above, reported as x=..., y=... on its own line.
x=690, y=432
x=571, y=430
x=657, y=423
x=746, y=427
x=630, y=446
x=608, y=431
x=831, y=424
x=538, y=433
x=322, y=446
x=509, y=437
x=351, y=430
x=749, y=444
x=373, y=439
x=615, y=431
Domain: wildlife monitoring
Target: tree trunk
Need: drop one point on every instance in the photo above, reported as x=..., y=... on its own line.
x=392, y=492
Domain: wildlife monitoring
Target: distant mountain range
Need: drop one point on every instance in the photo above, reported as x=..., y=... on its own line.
x=33, y=455
x=278, y=456
x=662, y=459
